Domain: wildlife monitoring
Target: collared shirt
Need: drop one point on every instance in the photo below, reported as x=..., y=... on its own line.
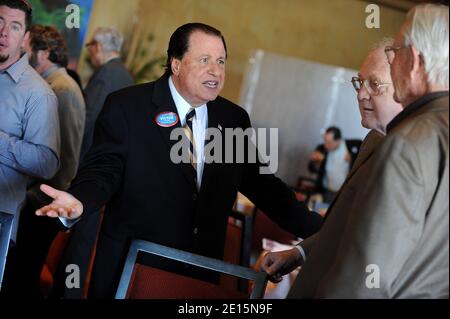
x=50, y=71
x=29, y=133
x=199, y=125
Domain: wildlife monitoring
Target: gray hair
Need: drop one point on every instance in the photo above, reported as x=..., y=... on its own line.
x=109, y=38
x=428, y=33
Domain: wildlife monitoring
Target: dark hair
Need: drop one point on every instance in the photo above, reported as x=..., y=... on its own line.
x=179, y=41
x=337, y=135
x=49, y=38
x=22, y=5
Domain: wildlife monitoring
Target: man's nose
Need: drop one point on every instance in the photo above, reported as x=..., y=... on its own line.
x=363, y=94
x=3, y=31
x=214, y=69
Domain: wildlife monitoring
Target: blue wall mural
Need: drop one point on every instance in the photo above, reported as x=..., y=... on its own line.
x=53, y=12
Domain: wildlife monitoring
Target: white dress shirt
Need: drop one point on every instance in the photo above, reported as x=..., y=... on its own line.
x=336, y=168
x=199, y=125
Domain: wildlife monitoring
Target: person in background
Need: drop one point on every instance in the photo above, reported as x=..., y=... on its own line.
x=110, y=75
x=331, y=161
x=387, y=234
x=29, y=123
x=48, y=55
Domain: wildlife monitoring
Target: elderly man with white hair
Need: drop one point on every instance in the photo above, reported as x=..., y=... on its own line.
x=387, y=234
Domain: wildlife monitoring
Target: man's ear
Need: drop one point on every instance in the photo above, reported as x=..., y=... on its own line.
x=175, y=66
x=417, y=62
x=98, y=47
x=43, y=54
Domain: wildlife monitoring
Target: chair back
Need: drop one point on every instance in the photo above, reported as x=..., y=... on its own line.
x=264, y=227
x=139, y=281
x=6, y=221
x=237, y=248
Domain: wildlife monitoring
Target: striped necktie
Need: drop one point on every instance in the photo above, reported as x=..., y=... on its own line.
x=190, y=135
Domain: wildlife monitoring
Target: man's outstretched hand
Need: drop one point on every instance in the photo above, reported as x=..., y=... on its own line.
x=64, y=205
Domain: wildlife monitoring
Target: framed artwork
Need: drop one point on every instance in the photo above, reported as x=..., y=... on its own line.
x=60, y=13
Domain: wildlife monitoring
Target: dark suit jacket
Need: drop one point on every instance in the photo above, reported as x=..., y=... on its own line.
x=110, y=77
x=149, y=197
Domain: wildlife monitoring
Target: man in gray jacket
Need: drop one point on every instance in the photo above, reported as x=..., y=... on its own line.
x=49, y=57
x=110, y=75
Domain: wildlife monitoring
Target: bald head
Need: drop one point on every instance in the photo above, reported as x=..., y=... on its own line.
x=376, y=104
x=376, y=63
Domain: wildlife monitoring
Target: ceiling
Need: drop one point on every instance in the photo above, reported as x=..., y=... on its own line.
x=403, y=5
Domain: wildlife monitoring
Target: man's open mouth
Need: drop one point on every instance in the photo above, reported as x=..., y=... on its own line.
x=211, y=84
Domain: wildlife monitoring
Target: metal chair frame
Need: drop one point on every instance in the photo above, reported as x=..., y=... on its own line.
x=259, y=278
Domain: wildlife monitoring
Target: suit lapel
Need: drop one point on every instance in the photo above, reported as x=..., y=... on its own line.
x=162, y=98
x=371, y=142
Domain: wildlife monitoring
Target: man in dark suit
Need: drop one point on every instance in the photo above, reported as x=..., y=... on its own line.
x=110, y=75
x=150, y=196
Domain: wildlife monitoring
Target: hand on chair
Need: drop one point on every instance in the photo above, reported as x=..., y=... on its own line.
x=278, y=264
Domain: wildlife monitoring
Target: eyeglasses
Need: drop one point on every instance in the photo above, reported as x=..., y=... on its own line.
x=373, y=87
x=390, y=52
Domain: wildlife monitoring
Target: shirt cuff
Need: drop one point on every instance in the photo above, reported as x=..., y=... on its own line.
x=68, y=223
x=302, y=252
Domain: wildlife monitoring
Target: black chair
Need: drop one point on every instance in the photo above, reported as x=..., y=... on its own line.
x=259, y=278
x=238, y=245
x=5, y=236
x=246, y=225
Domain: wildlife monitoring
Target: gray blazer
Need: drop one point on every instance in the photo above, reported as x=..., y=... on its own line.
x=110, y=77
x=71, y=111
x=390, y=218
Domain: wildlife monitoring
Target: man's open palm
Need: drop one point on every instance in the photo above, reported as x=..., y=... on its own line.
x=64, y=205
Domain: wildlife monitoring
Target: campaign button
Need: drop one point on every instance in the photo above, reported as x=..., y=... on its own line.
x=167, y=119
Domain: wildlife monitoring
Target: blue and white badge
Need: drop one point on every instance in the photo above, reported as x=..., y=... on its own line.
x=167, y=119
